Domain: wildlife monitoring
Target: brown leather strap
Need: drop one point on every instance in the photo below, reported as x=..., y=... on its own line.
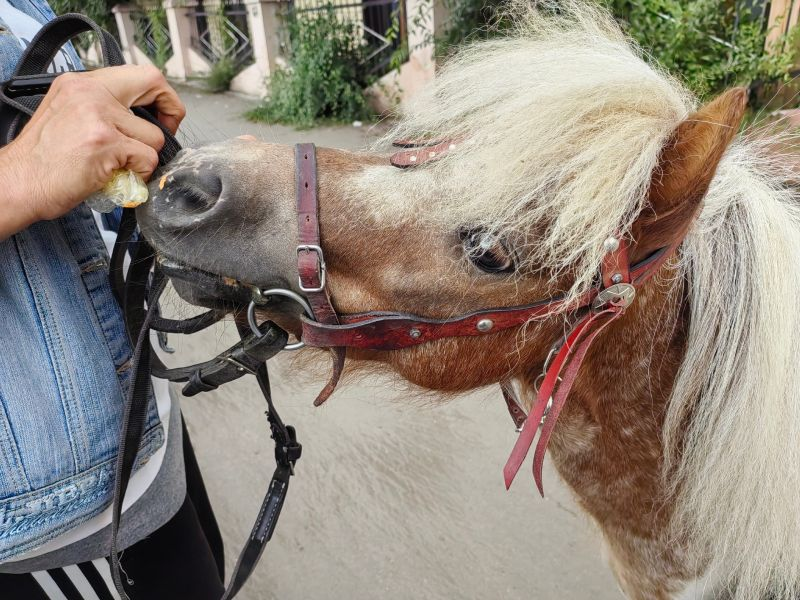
x=513, y=405
x=420, y=154
x=558, y=375
x=393, y=331
x=310, y=257
x=616, y=268
x=338, y=356
x=566, y=379
x=562, y=372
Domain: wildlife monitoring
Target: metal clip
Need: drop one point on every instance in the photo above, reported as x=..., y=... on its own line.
x=620, y=295
x=163, y=342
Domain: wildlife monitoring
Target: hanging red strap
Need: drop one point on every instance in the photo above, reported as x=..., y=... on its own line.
x=556, y=386
x=531, y=426
x=577, y=353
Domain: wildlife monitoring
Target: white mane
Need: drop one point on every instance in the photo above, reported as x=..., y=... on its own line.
x=738, y=477
x=562, y=118
x=565, y=122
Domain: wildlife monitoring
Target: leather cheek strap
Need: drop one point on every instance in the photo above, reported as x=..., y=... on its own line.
x=310, y=259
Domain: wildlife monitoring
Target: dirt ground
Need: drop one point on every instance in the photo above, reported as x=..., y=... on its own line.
x=395, y=497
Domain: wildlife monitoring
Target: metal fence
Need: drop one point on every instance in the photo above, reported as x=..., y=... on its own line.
x=374, y=17
x=222, y=33
x=152, y=35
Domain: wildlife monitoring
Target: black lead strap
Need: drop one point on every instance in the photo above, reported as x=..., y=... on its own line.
x=138, y=295
x=287, y=453
x=287, y=449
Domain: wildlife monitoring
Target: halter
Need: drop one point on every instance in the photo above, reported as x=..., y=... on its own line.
x=323, y=327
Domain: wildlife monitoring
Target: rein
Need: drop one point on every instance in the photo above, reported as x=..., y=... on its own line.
x=323, y=327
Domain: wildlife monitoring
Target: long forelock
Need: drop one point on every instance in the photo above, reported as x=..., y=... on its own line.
x=557, y=129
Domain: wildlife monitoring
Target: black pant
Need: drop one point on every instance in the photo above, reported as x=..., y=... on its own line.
x=183, y=560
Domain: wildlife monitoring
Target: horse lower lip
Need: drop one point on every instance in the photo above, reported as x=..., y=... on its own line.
x=206, y=288
x=173, y=268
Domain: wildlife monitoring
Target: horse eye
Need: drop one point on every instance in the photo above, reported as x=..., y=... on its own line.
x=487, y=252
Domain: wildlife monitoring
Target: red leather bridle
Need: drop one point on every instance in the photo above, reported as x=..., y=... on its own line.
x=596, y=310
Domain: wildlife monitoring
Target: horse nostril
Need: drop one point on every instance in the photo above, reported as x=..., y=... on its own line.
x=192, y=199
x=190, y=193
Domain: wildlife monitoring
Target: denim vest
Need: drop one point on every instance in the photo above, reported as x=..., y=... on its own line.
x=64, y=367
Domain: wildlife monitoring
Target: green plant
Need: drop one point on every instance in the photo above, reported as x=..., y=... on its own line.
x=98, y=11
x=222, y=73
x=470, y=20
x=224, y=68
x=326, y=74
x=162, y=46
x=710, y=44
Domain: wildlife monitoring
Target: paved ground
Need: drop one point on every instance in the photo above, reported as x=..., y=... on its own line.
x=394, y=498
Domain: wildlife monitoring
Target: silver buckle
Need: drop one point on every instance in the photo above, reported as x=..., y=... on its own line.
x=620, y=295
x=318, y=250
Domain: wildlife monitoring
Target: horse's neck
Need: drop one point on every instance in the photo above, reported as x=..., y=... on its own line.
x=607, y=444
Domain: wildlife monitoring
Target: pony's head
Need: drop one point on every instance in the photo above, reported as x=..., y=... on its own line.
x=562, y=136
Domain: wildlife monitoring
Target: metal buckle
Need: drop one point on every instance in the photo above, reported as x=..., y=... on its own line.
x=318, y=250
x=620, y=295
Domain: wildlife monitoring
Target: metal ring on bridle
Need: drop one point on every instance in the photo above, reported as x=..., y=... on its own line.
x=251, y=312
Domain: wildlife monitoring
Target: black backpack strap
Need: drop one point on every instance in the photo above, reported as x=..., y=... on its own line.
x=55, y=34
x=20, y=96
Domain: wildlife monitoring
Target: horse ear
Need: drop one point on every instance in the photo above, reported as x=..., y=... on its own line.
x=685, y=169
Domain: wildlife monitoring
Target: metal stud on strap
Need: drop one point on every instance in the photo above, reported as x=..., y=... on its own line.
x=620, y=295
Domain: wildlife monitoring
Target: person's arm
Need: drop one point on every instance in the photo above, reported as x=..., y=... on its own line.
x=82, y=131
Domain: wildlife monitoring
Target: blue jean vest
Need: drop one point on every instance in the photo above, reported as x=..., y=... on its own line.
x=64, y=368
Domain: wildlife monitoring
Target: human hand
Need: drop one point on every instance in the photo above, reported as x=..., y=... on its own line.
x=82, y=131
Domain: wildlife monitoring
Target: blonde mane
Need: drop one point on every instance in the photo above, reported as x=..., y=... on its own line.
x=559, y=127
x=560, y=119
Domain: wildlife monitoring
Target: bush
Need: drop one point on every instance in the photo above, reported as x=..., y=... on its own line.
x=222, y=73
x=326, y=75
x=710, y=44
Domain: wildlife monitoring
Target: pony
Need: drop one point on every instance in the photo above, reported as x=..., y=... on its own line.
x=680, y=434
